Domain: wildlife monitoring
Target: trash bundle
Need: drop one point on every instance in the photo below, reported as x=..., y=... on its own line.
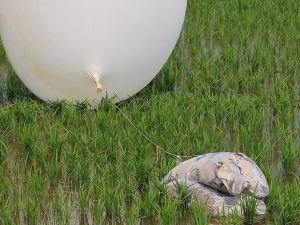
x=218, y=181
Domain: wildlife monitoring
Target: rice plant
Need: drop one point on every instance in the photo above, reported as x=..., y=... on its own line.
x=30, y=209
x=183, y=195
x=249, y=206
x=54, y=141
x=149, y=204
x=200, y=216
x=289, y=203
x=234, y=219
x=28, y=139
x=3, y=149
x=290, y=155
x=83, y=199
x=168, y=213
x=132, y=212
x=7, y=212
x=61, y=208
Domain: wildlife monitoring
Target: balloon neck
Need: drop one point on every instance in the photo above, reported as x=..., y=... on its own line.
x=96, y=77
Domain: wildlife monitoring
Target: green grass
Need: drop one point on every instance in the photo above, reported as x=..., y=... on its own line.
x=200, y=217
x=232, y=84
x=289, y=203
x=249, y=206
x=168, y=212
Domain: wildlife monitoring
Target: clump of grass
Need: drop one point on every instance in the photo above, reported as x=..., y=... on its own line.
x=148, y=204
x=57, y=107
x=8, y=206
x=233, y=219
x=30, y=209
x=132, y=212
x=249, y=206
x=143, y=172
x=7, y=210
x=289, y=156
x=82, y=107
x=162, y=193
x=168, y=212
x=83, y=172
x=62, y=211
x=183, y=195
x=83, y=202
x=274, y=182
x=130, y=190
x=83, y=199
x=289, y=203
x=200, y=216
x=113, y=198
x=3, y=149
x=28, y=139
x=52, y=170
x=98, y=211
x=54, y=141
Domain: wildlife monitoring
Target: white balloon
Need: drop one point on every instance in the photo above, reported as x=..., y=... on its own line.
x=89, y=49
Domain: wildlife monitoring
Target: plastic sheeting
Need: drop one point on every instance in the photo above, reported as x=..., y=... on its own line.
x=218, y=180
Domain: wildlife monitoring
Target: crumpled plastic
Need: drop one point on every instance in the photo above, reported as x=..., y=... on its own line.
x=215, y=202
x=221, y=179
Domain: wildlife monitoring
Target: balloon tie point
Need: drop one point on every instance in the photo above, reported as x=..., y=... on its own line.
x=96, y=78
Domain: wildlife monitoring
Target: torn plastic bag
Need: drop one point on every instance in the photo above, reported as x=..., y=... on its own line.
x=230, y=173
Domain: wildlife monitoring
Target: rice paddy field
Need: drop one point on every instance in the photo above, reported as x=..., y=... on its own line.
x=231, y=84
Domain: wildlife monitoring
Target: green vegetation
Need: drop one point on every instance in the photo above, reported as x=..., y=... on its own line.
x=231, y=84
x=168, y=212
x=249, y=206
x=289, y=203
x=200, y=217
x=183, y=196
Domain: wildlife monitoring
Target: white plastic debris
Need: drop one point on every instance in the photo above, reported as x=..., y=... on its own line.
x=218, y=180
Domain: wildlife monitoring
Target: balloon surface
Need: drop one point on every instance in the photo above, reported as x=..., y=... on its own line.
x=80, y=50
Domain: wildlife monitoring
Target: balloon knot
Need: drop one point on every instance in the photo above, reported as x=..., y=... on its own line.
x=96, y=78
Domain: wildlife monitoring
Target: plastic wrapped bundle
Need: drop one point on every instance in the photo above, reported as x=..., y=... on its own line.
x=217, y=181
